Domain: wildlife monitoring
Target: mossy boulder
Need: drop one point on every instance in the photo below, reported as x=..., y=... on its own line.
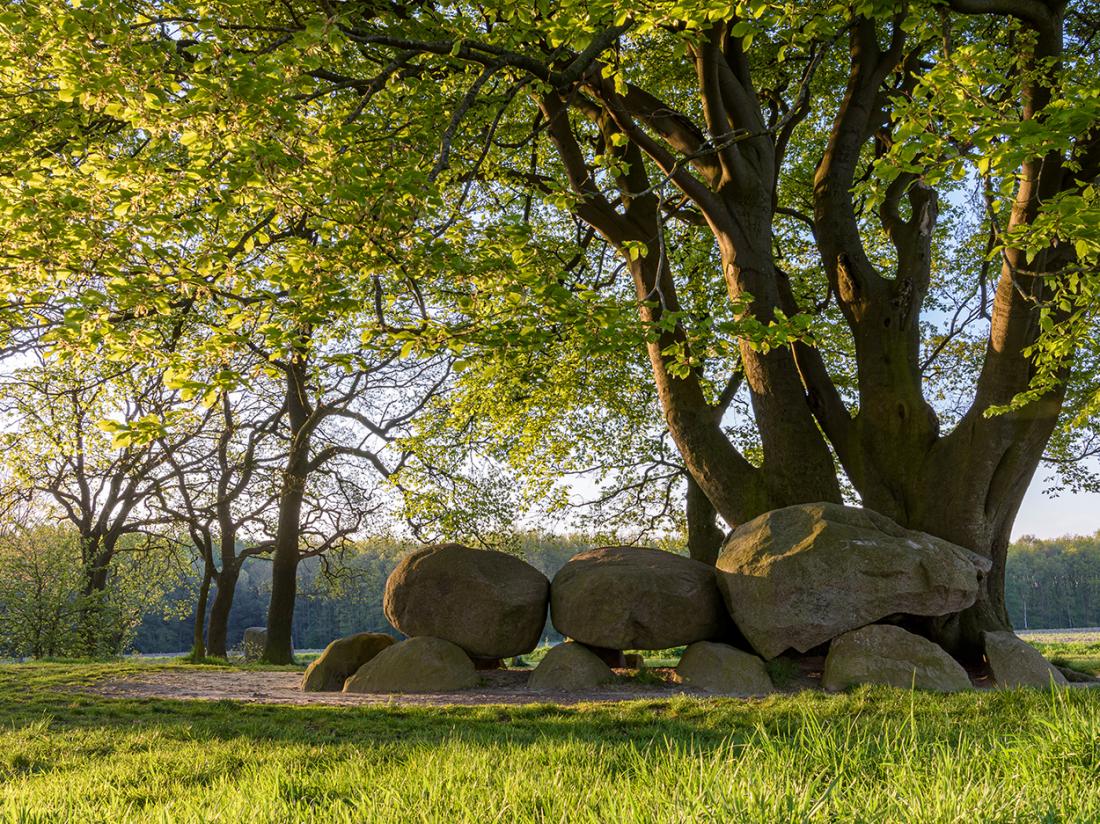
x=491, y=604
x=884, y=654
x=1015, y=663
x=421, y=664
x=342, y=659
x=622, y=597
x=723, y=669
x=569, y=667
x=802, y=575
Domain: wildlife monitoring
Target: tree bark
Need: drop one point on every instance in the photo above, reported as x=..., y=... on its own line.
x=704, y=535
x=97, y=552
x=198, y=646
x=286, y=555
x=226, y=578
x=218, y=627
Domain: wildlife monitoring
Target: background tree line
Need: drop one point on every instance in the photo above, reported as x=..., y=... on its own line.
x=40, y=594
x=1051, y=584
x=1054, y=583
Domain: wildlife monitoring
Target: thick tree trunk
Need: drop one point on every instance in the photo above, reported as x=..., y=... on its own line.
x=961, y=633
x=797, y=466
x=218, y=628
x=98, y=551
x=965, y=486
x=226, y=579
x=704, y=535
x=284, y=576
x=974, y=482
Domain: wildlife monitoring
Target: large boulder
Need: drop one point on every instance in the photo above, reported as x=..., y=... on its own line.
x=636, y=598
x=421, y=664
x=491, y=604
x=722, y=668
x=253, y=643
x=569, y=667
x=884, y=654
x=1015, y=663
x=802, y=575
x=342, y=659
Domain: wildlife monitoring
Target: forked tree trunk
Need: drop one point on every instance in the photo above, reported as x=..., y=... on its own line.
x=218, y=627
x=965, y=486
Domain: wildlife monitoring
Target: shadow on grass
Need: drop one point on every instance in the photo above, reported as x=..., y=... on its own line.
x=49, y=694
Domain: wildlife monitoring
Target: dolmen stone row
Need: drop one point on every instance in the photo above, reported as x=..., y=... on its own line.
x=372, y=662
x=794, y=579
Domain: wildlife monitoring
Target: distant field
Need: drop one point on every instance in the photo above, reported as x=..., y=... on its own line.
x=1076, y=648
x=1089, y=635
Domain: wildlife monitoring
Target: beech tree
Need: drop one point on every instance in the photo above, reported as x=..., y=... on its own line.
x=876, y=224
x=716, y=124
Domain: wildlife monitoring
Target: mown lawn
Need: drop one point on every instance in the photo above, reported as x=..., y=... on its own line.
x=869, y=755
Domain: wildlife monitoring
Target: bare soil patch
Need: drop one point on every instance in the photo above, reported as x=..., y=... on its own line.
x=497, y=687
x=274, y=687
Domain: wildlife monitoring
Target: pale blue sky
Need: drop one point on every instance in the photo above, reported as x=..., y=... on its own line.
x=1068, y=514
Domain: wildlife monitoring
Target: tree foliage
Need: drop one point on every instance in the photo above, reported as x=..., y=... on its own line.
x=849, y=249
x=45, y=608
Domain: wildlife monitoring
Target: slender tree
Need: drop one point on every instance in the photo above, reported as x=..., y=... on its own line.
x=57, y=453
x=222, y=492
x=343, y=417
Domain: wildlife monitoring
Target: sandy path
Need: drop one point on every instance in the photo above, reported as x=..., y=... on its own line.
x=498, y=687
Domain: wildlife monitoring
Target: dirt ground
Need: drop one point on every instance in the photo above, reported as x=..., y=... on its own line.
x=497, y=687
x=261, y=687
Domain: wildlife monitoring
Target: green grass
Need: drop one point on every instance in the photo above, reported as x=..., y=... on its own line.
x=1084, y=657
x=866, y=756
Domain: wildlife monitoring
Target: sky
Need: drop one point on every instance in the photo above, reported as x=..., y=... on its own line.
x=1046, y=517
x=1041, y=515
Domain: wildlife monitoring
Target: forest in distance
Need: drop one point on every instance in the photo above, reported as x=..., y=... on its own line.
x=1051, y=584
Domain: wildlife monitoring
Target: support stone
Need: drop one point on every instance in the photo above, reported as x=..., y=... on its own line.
x=614, y=658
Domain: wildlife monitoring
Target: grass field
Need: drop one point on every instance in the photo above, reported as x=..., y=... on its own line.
x=868, y=755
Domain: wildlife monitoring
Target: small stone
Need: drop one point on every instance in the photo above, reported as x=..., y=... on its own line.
x=1015, y=663
x=884, y=654
x=342, y=659
x=421, y=664
x=569, y=667
x=724, y=669
x=254, y=642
